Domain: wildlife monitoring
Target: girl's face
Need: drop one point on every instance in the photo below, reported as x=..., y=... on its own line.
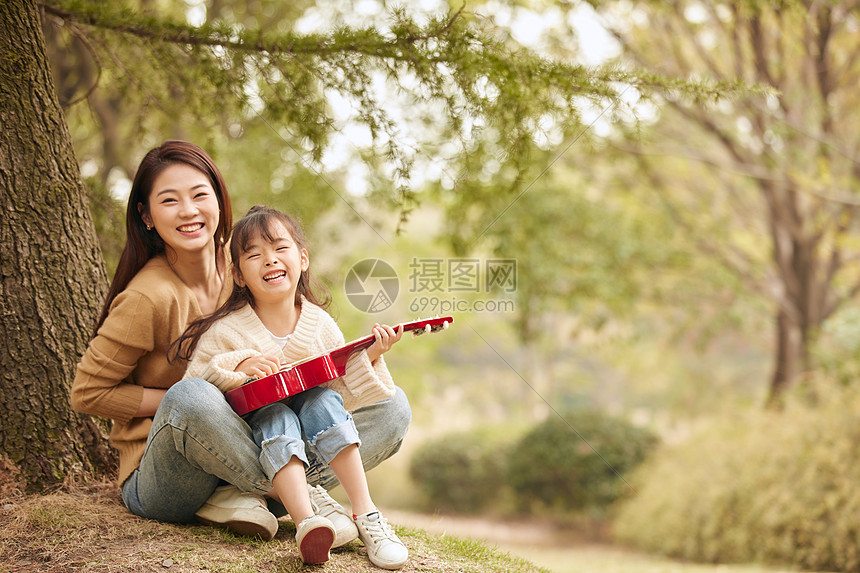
x=183, y=209
x=271, y=270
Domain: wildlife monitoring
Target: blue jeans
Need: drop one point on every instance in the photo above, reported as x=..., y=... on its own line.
x=197, y=440
x=314, y=419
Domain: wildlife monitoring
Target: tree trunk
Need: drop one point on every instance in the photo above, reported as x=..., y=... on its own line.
x=53, y=277
x=789, y=350
x=805, y=289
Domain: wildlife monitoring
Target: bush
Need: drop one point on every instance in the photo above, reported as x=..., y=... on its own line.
x=576, y=463
x=461, y=472
x=763, y=487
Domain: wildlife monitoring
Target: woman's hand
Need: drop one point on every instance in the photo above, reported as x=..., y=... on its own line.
x=259, y=366
x=385, y=337
x=149, y=403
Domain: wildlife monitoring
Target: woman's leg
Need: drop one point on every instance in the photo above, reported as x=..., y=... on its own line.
x=196, y=441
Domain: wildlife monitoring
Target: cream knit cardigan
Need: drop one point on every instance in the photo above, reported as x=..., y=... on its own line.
x=241, y=335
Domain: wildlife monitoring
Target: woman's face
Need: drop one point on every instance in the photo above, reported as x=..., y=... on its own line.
x=183, y=209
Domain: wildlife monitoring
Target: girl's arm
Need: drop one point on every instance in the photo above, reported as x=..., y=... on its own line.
x=220, y=369
x=364, y=382
x=386, y=337
x=224, y=357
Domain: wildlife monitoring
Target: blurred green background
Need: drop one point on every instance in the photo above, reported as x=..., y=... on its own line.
x=674, y=368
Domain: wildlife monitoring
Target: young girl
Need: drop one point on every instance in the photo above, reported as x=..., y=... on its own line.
x=274, y=318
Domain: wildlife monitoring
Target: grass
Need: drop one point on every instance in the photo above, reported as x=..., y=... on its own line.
x=87, y=528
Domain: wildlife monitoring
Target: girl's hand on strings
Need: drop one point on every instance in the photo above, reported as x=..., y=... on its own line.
x=259, y=366
x=385, y=337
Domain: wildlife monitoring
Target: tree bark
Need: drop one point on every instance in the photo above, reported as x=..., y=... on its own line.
x=789, y=342
x=52, y=271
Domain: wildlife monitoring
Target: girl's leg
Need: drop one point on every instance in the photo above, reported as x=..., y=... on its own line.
x=196, y=440
x=350, y=473
x=332, y=435
x=276, y=428
x=291, y=487
x=328, y=429
x=381, y=428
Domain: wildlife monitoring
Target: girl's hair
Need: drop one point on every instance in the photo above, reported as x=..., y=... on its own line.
x=259, y=222
x=141, y=244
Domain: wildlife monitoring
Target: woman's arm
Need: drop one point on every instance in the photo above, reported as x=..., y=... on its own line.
x=149, y=403
x=101, y=385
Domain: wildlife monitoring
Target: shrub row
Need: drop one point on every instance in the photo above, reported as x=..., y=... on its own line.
x=570, y=463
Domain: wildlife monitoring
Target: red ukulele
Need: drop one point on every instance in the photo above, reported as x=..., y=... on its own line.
x=312, y=371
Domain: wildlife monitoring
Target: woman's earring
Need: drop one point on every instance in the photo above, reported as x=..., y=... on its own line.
x=148, y=228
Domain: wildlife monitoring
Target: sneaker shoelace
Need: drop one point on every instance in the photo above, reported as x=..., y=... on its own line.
x=320, y=498
x=379, y=528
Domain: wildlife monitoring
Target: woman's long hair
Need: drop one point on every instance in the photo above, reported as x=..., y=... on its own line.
x=141, y=244
x=258, y=222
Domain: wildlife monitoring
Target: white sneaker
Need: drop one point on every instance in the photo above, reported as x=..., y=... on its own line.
x=314, y=536
x=242, y=512
x=323, y=505
x=384, y=548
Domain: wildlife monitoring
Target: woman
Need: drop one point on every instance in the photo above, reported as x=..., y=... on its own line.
x=178, y=440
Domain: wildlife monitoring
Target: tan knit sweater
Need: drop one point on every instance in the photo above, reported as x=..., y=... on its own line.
x=242, y=335
x=129, y=353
